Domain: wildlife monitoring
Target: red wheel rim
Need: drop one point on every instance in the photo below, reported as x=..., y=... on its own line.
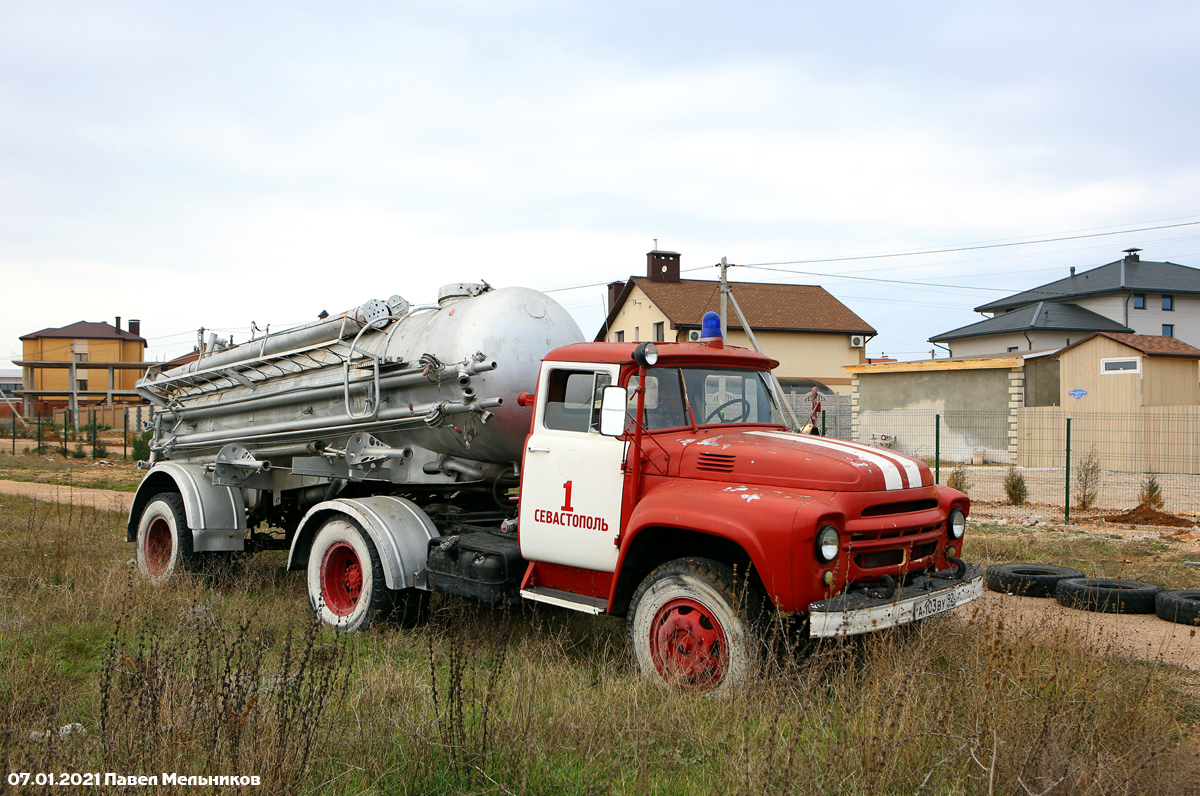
x=688, y=644
x=341, y=578
x=157, y=548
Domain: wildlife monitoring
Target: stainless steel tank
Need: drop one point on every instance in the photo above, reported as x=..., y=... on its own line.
x=420, y=390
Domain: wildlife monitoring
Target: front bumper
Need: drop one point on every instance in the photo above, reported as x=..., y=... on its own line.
x=859, y=612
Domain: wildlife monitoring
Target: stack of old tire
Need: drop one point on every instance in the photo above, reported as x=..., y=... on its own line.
x=1072, y=588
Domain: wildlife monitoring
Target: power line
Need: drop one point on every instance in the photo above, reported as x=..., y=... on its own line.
x=877, y=279
x=977, y=247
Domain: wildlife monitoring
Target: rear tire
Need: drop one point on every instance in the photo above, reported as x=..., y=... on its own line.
x=691, y=626
x=1028, y=580
x=346, y=585
x=164, y=541
x=1108, y=595
x=1181, y=606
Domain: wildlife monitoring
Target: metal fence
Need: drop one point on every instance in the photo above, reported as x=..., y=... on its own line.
x=1070, y=462
x=835, y=418
x=103, y=432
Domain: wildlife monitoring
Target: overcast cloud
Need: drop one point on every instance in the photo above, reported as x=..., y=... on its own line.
x=220, y=163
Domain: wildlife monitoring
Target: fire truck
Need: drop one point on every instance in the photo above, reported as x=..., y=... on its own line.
x=478, y=447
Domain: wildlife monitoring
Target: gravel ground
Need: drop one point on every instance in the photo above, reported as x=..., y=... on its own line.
x=1136, y=636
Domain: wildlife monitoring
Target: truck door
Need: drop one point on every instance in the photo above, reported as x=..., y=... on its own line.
x=572, y=476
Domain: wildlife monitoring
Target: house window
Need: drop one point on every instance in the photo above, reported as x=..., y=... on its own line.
x=1122, y=365
x=658, y=332
x=1139, y=301
x=1012, y=348
x=621, y=336
x=1168, y=330
x=1168, y=304
x=637, y=334
x=81, y=385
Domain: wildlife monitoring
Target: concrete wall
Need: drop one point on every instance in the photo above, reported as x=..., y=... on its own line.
x=939, y=390
x=901, y=405
x=1042, y=382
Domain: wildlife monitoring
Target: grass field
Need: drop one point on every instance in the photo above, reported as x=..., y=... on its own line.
x=229, y=676
x=55, y=469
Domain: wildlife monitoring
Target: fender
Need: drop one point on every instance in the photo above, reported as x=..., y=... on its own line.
x=757, y=519
x=399, y=530
x=216, y=514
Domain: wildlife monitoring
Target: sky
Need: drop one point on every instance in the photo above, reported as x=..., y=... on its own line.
x=221, y=163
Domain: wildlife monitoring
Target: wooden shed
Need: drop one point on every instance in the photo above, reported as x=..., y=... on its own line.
x=1115, y=372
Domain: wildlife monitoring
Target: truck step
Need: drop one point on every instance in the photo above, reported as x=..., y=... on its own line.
x=565, y=599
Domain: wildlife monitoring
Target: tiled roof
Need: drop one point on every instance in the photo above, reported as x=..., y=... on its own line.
x=86, y=330
x=1125, y=274
x=1149, y=344
x=1045, y=316
x=792, y=308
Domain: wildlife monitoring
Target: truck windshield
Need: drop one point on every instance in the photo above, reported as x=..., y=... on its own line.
x=678, y=397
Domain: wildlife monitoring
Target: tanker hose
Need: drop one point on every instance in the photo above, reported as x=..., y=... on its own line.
x=431, y=364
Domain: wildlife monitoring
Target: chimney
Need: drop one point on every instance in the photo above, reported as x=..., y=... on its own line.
x=117, y=324
x=614, y=292
x=662, y=266
x=1072, y=270
x=1132, y=255
x=135, y=327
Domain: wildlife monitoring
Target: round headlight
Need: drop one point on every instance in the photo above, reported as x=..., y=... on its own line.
x=646, y=355
x=829, y=544
x=958, y=523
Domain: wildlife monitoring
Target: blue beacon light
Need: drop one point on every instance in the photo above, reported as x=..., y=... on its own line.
x=710, y=327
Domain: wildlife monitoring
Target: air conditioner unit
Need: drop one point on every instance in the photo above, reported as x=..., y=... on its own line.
x=693, y=335
x=857, y=341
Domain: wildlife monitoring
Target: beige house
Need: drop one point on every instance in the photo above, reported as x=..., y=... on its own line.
x=812, y=334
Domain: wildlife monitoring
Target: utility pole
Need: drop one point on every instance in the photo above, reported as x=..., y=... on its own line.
x=725, y=294
x=728, y=297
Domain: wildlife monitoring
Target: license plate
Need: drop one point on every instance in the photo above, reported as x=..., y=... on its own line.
x=935, y=605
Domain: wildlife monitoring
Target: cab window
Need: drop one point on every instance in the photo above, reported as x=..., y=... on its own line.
x=730, y=396
x=573, y=399
x=663, y=406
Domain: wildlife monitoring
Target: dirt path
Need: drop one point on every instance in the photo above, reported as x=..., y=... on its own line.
x=106, y=499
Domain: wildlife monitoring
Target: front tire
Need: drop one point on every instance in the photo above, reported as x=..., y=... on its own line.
x=164, y=541
x=690, y=626
x=346, y=586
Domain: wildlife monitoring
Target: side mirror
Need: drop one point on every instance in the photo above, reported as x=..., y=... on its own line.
x=612, y=412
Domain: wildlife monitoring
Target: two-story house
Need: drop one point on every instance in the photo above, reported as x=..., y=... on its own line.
x=811, y=333
x=83, y=363
x=1127, y=296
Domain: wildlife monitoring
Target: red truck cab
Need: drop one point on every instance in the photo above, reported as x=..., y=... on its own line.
x=662, y=483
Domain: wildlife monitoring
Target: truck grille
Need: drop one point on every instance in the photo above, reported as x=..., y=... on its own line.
x=883, y=509
x=892, y=533
x=715, y=462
